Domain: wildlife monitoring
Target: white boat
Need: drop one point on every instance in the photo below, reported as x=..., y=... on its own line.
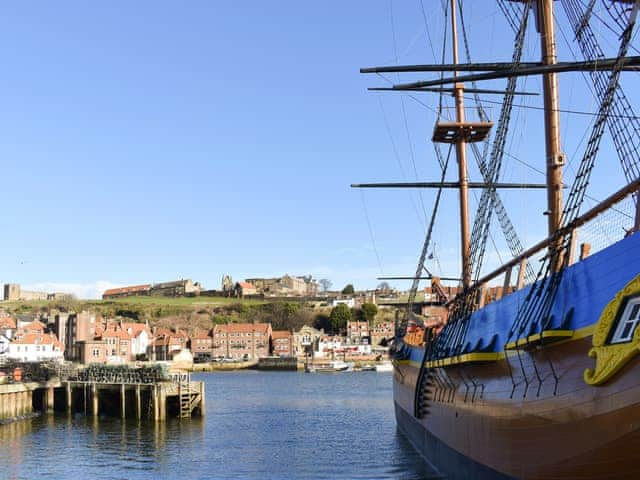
x=384, y=367
x=333, y=366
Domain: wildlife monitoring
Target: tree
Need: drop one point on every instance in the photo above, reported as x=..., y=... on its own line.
x=383, y=287
x=369, y=311
x=288, y=316
x=325, y=283
x=348, y=290
x=340, y=315
x=322, y=322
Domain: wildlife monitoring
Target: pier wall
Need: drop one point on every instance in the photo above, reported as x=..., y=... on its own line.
x=156, y=401
x=277, y=363
x=15, y=401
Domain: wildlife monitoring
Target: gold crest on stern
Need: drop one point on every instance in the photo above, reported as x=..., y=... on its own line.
x=616, y=338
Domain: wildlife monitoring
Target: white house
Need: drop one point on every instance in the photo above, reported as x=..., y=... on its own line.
x=349, y=302
x=7, y=331
x=4, y=344
x=32, y=344
x=140, y=337
x=327, y=345
x=35, y=347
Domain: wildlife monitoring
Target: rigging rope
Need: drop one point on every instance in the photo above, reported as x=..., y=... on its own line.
x=427, y=240
x=490, y=200
x=536, y=308
x=373, y=240
x=443, y=166
x=622, y=123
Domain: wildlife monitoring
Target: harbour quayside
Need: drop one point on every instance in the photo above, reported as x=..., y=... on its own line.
x=532, y=371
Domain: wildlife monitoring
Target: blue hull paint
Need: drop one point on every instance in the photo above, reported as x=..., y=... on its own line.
x=586, y=287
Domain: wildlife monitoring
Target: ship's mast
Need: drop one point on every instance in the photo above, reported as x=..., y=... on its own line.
x=461, y=154
x=555, y=157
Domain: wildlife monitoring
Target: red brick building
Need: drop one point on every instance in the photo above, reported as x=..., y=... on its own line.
x=358, y=332
x=167, y=343
x=202, y=346
x=241, y=340
x=382, y=332
x=92, y=351
x=117, y=345
x=282, y=343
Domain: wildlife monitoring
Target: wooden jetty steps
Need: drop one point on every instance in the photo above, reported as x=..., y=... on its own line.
x=174, y=396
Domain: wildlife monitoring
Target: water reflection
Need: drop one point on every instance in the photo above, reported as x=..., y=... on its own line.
x=257, y=425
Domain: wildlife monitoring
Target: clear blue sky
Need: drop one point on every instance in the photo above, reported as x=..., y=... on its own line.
x=151, y=140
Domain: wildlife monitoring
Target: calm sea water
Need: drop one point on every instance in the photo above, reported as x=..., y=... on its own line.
x=259, y=425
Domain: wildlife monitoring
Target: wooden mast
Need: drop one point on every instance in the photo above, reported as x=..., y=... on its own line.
x=461, y=154
x=555, y=157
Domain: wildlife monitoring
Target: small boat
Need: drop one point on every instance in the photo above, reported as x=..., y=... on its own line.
x=367, y=368
x=334, y=366
x=384, y=367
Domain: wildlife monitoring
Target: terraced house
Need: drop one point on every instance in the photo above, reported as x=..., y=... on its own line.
x=241, y=340
x=282, y=343
x=32, y=343
x=202, y=346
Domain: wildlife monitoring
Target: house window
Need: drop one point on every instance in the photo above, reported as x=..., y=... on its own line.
x=627, y=322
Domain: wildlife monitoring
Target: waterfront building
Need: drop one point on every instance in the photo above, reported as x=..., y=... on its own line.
x=7, y=331
x=282, y=343
x=305, y=341
x=329, y=345
x=7, y=326
x=77, y=327
x=358, y=332
x=118, y=345
x=166, y=344
x=382, y=332
x=140, y=338
x=32, y=343
x=355, y=349
x=201, y=346
x=241, y=340
x=92, y=351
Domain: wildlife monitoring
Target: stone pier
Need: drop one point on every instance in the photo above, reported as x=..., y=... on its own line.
x=15, y=401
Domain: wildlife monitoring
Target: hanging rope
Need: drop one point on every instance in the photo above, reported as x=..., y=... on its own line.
x=490, y=201
x=623, y=124
x=535, y=310
x=425, y=246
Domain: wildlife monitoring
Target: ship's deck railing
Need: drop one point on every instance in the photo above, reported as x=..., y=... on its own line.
x=604, y=224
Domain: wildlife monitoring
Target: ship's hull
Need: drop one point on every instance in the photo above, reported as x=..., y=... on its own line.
x=531, y=413
x=581, y=432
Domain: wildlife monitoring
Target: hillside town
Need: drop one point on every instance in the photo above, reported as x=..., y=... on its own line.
x=87, y=338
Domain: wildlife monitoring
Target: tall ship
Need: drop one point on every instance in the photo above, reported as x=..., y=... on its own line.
x=534, y=370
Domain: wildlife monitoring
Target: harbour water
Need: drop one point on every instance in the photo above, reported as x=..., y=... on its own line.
x=258, y=425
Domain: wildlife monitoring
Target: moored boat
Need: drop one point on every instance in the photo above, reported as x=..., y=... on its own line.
x=534, y=375
x=334, y=366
